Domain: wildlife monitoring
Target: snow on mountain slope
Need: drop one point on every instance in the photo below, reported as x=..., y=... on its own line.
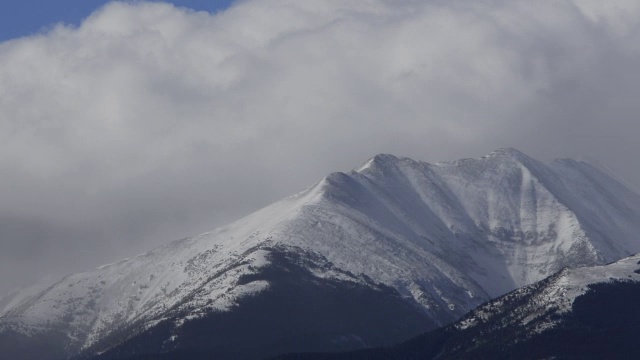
x=581, y=313
x=446, y=236
x=539, y=305
x=17, y=297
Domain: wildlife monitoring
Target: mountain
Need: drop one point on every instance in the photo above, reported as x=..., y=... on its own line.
x=584, y=313
x=367, y=258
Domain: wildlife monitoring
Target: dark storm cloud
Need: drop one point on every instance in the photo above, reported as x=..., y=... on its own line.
x=149, y=122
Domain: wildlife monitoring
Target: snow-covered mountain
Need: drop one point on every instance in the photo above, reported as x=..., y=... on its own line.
x=439, y=238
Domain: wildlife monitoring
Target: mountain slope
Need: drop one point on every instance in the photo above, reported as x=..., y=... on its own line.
x=442, y=238
x=589, y=312
x=584, y=313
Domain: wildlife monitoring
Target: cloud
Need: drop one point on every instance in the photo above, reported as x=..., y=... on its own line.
x=150, y=122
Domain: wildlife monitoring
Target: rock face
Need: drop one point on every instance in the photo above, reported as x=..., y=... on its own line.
x=431, y=241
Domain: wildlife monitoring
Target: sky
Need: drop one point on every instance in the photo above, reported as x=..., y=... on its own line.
x=126, y=125
x=29, y=17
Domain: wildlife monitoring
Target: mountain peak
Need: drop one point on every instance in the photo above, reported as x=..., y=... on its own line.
x=500, y=155
x=507, y=150
x=379, y=161
x=510, y=153
x=385, y=157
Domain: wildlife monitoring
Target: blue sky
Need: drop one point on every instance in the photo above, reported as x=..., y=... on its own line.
x=26, y=17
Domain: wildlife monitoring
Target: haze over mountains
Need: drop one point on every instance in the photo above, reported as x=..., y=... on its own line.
x=367, y=258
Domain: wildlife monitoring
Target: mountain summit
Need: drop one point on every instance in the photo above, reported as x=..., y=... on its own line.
x=365, y=258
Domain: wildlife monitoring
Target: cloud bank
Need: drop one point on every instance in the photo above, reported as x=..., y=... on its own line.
x=149, y=122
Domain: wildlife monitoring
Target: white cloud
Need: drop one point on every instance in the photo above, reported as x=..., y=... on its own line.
x=150, y=122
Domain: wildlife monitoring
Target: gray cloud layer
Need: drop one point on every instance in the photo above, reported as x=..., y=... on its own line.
x=150, y=122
